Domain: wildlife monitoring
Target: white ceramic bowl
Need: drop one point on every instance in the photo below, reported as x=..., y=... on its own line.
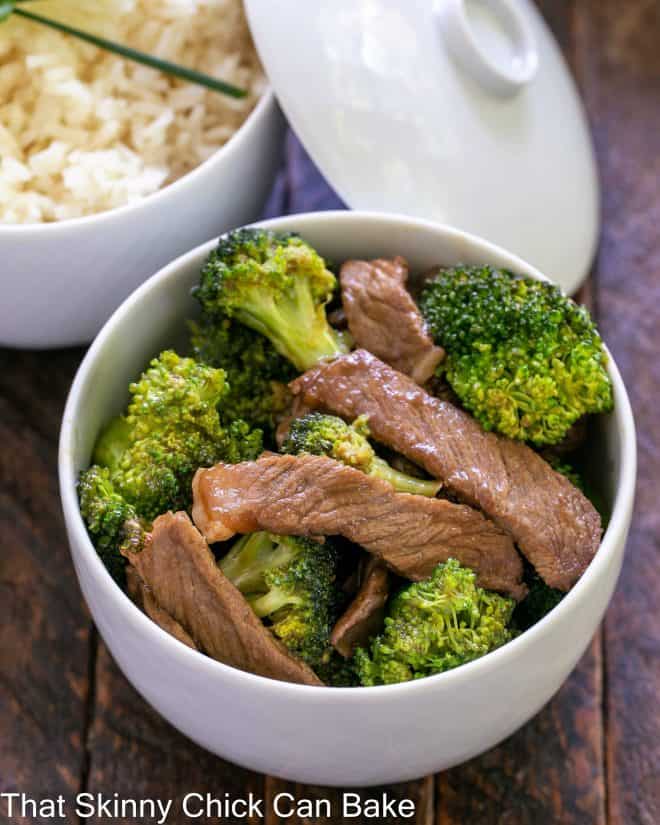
x=347, y=737
x=62, y=280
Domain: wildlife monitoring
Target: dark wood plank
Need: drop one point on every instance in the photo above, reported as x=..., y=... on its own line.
x=619, y=66
x=549, y=772
x=137, y=754
x=44, y=629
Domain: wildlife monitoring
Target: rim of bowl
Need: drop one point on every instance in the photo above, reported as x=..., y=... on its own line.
x=251, y=123
x=616, y=529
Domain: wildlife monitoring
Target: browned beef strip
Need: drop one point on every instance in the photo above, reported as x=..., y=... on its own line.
x=555, y=525
x=384, y=319
x=364, y=616
x=310, y=495
x=181, y=573
x=145, y=599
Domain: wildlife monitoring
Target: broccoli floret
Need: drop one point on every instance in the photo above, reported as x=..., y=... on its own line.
x=277, y=285
x=328, y=435
x=112, y=443
x=172, y=427
x=176, y=392
x=112, y=522
x=144, y=461
x=290, y=583
x=526, y=360
x=539, y=600
x=256, y=373
x=336, y=671
x=435, y=625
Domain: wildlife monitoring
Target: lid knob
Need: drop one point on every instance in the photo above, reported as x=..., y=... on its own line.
x=491, y=40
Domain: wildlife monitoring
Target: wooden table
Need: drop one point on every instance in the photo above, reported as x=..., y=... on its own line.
x=68, y=719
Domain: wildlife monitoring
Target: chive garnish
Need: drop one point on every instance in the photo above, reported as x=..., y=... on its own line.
x=9, y=7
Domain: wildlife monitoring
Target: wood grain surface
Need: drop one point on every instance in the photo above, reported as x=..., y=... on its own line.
x=69, y=721
x=619, y=66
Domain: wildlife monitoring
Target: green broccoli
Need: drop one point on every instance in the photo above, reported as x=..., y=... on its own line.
x=256, y=373
x=435, y=625
x=522, y=357
x=172, y=427
x=112, y=522
x=277, y=285
x=144, y=461
x=112, y=443
x=328, y=435
x=335, y=671
x=290, y=582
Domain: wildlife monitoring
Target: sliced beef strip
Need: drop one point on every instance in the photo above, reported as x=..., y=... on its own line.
x=144, y=598
x=554, y=524
x=310, y=495
x=179, y=569
x=364, y=616
x=384, y=319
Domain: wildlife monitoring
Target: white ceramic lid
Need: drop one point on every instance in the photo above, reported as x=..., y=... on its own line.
x=459, y=111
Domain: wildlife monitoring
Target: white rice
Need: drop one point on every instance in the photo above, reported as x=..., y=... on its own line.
x=83, y=131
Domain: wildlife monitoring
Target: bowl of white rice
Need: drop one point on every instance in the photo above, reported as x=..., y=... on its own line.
x=109, y=169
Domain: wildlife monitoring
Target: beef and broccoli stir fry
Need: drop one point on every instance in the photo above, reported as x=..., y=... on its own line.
x=358, y=497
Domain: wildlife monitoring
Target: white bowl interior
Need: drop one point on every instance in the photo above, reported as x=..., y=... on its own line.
x=153, y=318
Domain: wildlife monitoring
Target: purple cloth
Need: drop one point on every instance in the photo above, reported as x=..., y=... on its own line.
x=299, y=186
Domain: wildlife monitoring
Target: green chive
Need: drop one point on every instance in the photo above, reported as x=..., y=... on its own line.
x=7, y=7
